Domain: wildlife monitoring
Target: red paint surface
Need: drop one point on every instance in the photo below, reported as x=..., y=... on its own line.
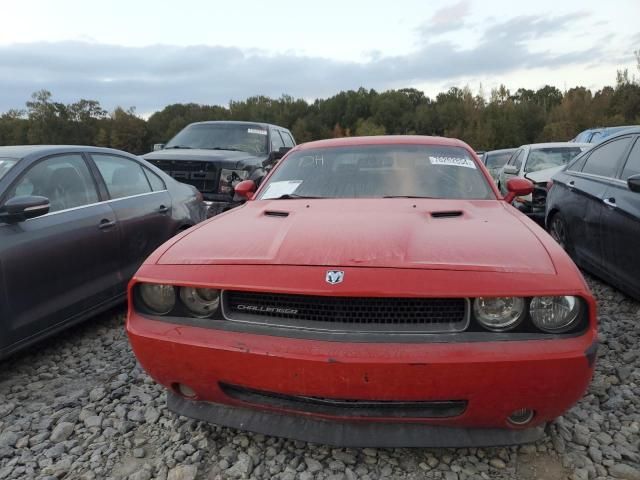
x=387, y=247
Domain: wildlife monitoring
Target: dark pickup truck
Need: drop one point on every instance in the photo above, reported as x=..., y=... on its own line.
x=214, y=156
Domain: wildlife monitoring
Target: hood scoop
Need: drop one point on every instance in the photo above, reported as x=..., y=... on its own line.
x=447, y=214
x=275, y=213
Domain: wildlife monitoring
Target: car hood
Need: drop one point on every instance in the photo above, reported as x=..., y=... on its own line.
x=225, y=158
x=545, y=175
x=481, y=235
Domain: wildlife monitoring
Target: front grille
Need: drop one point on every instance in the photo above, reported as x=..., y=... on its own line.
x=353, y=314
x=202, y=175
x=348, y=408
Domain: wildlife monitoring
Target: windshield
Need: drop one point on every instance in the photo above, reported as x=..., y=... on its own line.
x=222, y=136
x=543, y=158
x=498, y=159
x=378, y=171
x=5, y=165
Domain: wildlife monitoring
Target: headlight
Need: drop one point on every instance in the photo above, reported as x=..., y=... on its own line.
x=230, y=178
x=554, y=314
x=499, y=313
x=158, y=298
x=201, y=302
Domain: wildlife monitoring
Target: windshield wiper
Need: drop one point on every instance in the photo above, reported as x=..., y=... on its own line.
x=405, y=196
x=176, y=146
x=227, y=148
x=289, y=196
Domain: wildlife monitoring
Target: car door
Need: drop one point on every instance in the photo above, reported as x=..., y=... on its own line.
x=143, y=214
x=596, y=176
x=621, y=226
x=59, y=265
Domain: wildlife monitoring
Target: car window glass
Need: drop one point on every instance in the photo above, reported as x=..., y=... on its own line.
x=596, y=137
x=632, y=167
x=378, y=171
x=577, y=165
x=550, y=157
x=157, y=184
x=517, y=162
x=6, y=164
x=276, y=141
x=496, y=160
x=604, y=161
x=123, y=177
x=288, y=140
x=65, y=180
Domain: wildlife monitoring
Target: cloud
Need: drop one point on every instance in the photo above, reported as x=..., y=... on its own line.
x=154, y=76
x=447, y=19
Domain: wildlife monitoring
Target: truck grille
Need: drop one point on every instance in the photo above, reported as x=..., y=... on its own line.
x=202, y=175
x=352, y=314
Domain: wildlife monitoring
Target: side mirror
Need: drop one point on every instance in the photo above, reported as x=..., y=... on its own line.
x=511, y=170
x=158, y=146
x=245, y=189
x=634, y=183
x=518, y=187
x=18, y=209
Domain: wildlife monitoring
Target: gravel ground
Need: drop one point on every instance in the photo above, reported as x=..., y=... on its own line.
x=79, y=407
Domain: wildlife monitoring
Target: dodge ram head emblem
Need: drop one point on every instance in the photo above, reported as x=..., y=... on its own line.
x=334, y=276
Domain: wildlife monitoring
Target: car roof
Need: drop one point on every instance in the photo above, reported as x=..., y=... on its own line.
x=534, y=146
x=384, y=140
x=501, y=150
x=238, y=122
x=620, y=131
x=23, y=151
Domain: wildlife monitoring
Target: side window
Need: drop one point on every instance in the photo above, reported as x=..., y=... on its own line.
x=632, y=167
x=157, y=184
x=65, y=180
x=517, y=162
x=604, y=160
x=276, y=141
x=124, y=177
x=288, y=140
x=578, y=164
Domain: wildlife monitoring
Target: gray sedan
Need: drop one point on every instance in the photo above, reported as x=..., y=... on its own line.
x=75, y=225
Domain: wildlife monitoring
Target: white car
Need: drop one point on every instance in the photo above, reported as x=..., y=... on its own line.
x=537, y=162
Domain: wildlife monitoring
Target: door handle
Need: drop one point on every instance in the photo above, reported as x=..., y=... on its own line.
x=163, y=209
x=610, y=202
x=571, y=184
x=106, y=223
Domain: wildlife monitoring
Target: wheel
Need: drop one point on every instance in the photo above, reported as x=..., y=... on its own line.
x=560, y=233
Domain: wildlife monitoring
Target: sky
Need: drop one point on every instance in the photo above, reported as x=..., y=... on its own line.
x=151, y=53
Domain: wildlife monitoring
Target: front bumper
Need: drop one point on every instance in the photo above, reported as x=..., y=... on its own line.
x=493, y=378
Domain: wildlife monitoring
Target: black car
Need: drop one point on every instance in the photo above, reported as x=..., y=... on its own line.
x=215, y=156
x=593, y=210
x=75, y=225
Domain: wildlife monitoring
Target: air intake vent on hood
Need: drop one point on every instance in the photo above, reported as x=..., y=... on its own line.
x=275, y=213
x=447, y=214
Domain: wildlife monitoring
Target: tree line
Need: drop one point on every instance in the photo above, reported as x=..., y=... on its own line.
x=504, y=119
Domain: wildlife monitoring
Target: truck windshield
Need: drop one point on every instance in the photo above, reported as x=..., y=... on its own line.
x=5, y=165
x=378, y=171
x=220, y=136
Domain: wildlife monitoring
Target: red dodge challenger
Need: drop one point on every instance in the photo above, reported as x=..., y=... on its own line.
x=374, y=291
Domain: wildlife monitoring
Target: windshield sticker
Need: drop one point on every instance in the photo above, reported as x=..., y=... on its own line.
x=278, y=189
x=453, y=161
x=256, y=131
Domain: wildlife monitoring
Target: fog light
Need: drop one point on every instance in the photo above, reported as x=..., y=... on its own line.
x=522, y=416
x=184, y=390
